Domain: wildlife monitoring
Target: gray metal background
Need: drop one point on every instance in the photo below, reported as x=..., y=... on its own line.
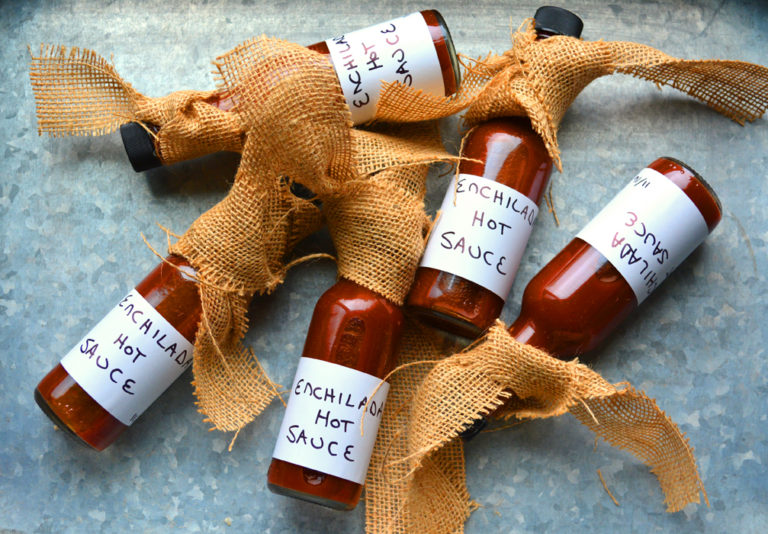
x=72, y=210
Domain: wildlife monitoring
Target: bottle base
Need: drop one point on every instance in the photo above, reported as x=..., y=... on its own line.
x=308, y=497
x=446, y=322
x=56, y=420
x=292, y=480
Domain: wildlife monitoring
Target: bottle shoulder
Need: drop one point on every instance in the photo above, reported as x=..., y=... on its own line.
x=350, y=297
x=573, y=303
x=508, y=151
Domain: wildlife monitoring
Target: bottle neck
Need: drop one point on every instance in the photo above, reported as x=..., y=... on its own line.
x=558, y=343
x=525, y=330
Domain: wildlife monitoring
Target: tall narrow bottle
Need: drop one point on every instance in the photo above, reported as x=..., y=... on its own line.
x=329, y=427
x=127, y=360
x=416, y=50
x=487, y=216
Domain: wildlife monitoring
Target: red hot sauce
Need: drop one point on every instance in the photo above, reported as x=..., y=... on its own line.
x=617, y=260
x=487, y=215
x=127, y=360
x=320, y=455
x=416, y=50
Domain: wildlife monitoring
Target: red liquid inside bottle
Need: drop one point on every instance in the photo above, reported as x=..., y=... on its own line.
x=510, y=154
x=174, y=295
x=580, y=296
x=473, y=252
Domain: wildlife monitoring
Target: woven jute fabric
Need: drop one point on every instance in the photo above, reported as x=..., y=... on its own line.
x=378, y=227
x=541, y=79
x=371, y=185
x=420, y=494
x=78, y=92
x=240, y=248
x=416, y=481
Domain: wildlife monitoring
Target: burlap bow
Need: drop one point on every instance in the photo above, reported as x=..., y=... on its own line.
x=371, y=185
x=541, y=79
x=417, y=481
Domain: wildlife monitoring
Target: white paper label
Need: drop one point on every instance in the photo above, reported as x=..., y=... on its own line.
x=399, y=50
x=481, y=233
x=646, y=231
x=321, y=427
x=129, y=358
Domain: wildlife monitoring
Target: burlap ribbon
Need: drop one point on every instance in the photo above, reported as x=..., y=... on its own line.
x=416, y=482
x=292, y=124
x=371, y=185
x=78, y=92
x=297, y=128
x=541, y=79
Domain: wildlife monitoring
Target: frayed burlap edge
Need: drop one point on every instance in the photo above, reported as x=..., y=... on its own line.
x=498, y=376
x=541, y=79
x=78, y=92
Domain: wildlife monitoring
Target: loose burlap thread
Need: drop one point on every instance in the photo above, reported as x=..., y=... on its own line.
x=297, y=128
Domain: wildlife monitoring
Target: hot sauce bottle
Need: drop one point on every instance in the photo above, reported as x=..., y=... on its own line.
x=487, y=215
x=330, y=425
x=127, y=360
x=617, y=260
x=416, y=50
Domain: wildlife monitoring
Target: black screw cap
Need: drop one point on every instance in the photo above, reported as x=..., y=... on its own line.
x=139, y=146
x=558, y=21
x=473, y=429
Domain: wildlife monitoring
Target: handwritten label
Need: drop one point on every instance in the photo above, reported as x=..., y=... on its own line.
x=399, y=50
x=321, y=427
x=129, y=358
x=646, y=231
x=481, y=233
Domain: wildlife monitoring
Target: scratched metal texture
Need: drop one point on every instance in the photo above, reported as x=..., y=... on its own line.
x=72, y=212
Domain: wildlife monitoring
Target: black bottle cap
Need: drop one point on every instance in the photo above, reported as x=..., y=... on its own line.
x=139, y=146
x=473, y=429
x=559, y=21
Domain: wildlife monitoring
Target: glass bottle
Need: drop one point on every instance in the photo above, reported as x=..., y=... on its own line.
x=324, y=444
x=416, y=50
x=487, y=215
x=617, y=260
x=127, y=360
